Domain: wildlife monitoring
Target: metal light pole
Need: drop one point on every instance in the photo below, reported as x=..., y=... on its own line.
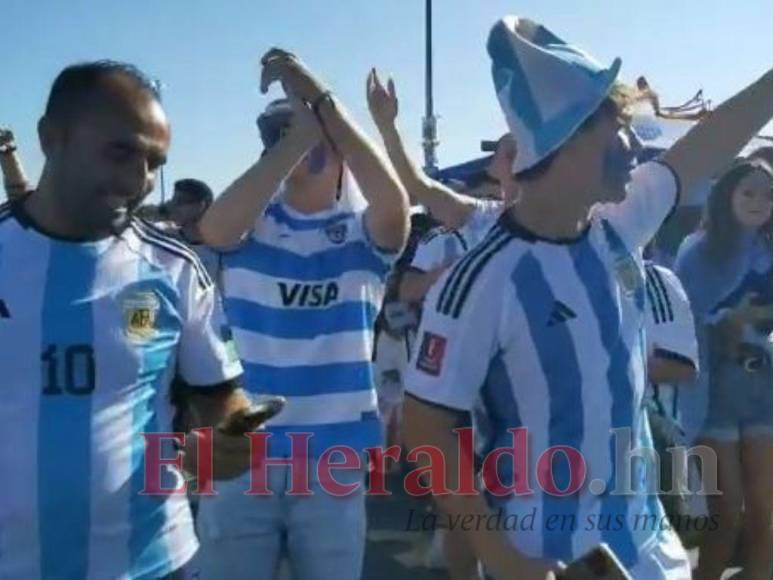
x=429, y=123
x=159, y=86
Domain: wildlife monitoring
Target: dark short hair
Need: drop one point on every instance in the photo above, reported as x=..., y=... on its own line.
x=196, y=190
x=273, y=121
x=76, y=85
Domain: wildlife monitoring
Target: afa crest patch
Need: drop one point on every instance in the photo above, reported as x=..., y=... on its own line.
x=336, y=233
x=140, y=311
x=628, y=275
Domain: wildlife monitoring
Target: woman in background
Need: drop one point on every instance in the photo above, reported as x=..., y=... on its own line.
x=727, y=271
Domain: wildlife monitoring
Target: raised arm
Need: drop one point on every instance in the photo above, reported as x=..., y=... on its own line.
x=447, y=206
x=714, y=142
x=236, y=210
x=387, y=213
x=14, y=180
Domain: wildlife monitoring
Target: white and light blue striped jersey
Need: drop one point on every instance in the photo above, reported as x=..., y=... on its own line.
x=670, y=332
x=92, y=334
x=554, y=331
x=302, y=295
x=443, y=246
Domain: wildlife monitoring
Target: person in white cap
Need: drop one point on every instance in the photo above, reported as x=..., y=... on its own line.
x=547, y=314
x=302, y=291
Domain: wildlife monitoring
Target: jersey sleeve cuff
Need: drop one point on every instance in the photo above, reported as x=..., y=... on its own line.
x=677, y=186
x=387, y=254
x=205, y=380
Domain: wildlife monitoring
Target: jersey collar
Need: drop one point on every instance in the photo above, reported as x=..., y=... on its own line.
x=508, y=221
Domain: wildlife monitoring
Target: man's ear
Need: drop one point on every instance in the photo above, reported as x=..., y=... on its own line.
x=50, y=136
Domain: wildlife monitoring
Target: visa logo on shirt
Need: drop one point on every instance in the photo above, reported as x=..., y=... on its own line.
x=308, y=295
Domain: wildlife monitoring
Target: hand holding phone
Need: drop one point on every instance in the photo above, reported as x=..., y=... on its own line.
x=599, y=563
x=263, y=408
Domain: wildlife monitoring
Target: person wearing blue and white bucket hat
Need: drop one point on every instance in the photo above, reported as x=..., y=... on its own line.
x=547, y=313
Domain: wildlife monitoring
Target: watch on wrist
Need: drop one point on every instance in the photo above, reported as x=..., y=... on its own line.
x=325, y=97
x=7, y=149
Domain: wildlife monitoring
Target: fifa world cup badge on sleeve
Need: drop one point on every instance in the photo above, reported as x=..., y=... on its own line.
x=431, y=353
x=140, y=310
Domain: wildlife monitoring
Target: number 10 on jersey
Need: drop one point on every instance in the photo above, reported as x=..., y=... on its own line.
x=68, y=370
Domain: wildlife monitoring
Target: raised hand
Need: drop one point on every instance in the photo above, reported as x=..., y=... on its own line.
x=296, y=79
x=7, y=140
x=382, y=101
x=304, y=126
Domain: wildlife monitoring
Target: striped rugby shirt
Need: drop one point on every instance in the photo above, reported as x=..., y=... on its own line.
x=554, y=331
x=302, y=294
x=92, y=334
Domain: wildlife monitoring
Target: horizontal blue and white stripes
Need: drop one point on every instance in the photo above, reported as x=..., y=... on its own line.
x=302, y=296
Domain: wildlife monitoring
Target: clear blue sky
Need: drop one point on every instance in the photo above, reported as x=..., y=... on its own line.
x=207, y=53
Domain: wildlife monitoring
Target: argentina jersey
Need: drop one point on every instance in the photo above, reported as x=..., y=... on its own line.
x=441, y=246
x=92, y=334
x=438, y=247
x=554, y=332
x=670, y=333
x=302, y=294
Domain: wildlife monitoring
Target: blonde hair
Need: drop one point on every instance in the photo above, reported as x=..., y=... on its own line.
x=625, y=97
x=620, y=102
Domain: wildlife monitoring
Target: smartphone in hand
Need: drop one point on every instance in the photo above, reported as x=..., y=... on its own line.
x=599, y=563
x=263, y=408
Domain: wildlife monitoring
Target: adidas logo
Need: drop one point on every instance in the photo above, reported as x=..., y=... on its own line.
x=4, y=312
x=561, y=313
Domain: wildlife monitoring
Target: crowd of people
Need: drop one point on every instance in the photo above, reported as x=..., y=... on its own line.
x=389, y=311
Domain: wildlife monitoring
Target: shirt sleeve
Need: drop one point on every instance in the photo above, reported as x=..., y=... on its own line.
x=430, y=252
x=670, y=324
x=207, y=354
x=387, y=257
x=455, y=345
x=485, y=214
x=651, y=196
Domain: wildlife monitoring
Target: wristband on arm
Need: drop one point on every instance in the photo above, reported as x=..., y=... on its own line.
x=316, y=105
